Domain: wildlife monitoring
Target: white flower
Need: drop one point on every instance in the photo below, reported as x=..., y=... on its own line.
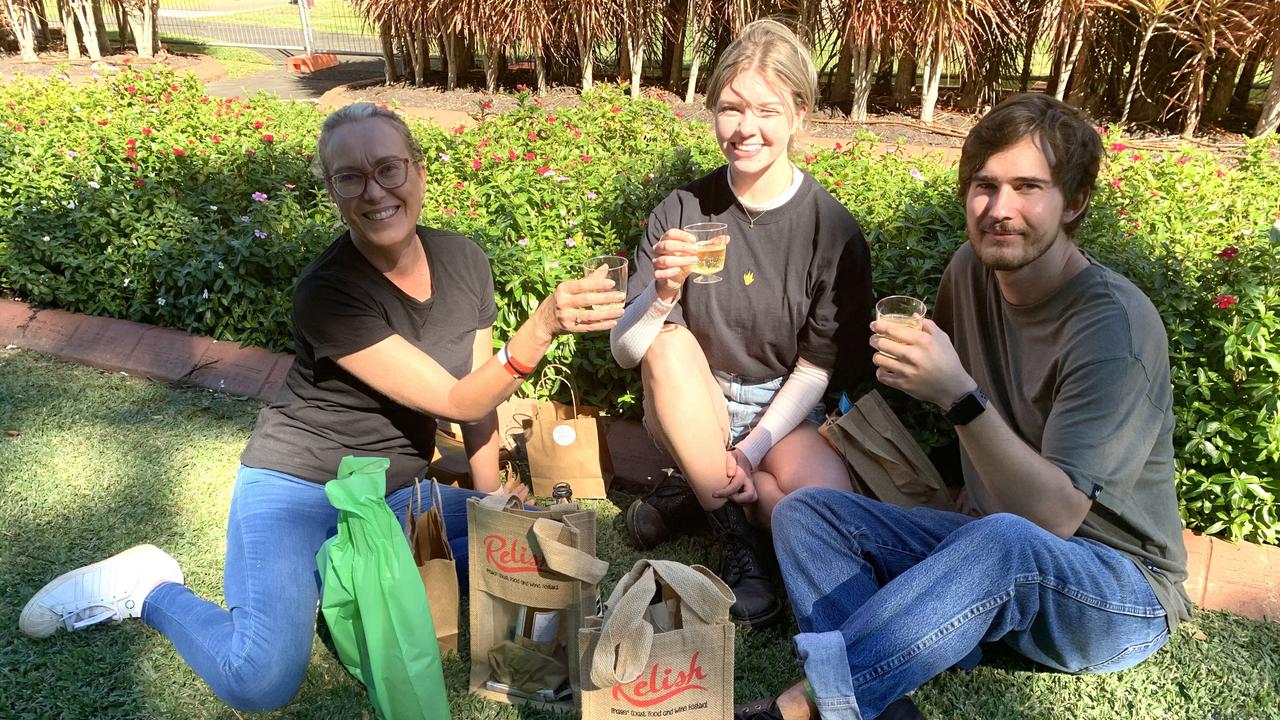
x=205, y=294
x=71, y=205
x=45, y=238
x=94, y=185
x=160, y=301
x=213, y=207
x=221, y=266
x=444, y=157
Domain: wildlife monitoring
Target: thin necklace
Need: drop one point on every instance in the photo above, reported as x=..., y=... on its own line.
x=751, y=221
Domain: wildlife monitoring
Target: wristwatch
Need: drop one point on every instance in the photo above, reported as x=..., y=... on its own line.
x=969, y=406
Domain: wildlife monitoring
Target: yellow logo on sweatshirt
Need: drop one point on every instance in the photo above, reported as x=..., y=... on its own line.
x=748, y=278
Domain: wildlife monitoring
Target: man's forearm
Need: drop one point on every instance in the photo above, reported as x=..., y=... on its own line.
x=1018, y=480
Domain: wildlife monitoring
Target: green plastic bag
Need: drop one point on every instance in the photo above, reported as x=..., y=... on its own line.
x=373, y=599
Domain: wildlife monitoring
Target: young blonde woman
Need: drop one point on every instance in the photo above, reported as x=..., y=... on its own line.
x=734, y=371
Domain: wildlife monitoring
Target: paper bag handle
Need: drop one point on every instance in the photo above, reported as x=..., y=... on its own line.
x=626, y=637
x=564, y=378
x=500, y=502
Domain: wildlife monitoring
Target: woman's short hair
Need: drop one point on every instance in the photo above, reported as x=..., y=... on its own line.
x=1070, y=143
x=355, y=112
x=771, y=48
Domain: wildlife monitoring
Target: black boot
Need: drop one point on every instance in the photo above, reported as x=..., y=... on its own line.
x=742, y=570
x=668, y=511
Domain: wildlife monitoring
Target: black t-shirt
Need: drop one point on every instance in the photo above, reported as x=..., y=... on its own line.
x=342, y=305
x=796, y=282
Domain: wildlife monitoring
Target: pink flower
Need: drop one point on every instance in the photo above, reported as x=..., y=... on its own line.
x=523, y=241
x=257, y=124
x=1116, y=183
x=268, y=138
x=1225, y=301
x=179, y=152
x=551, y=118
x=215, y=139
x=1183, y=160
x=543, y=170
x=1229, y=252
x=459, y=186
x=289, y=186
x=591, y=195
x=586, y=158
x=569, y=242
x=131, y=90
x=486, y=105
x=916, y=174
x=475, y=164
x=1118, y=147
x=533, y=136
x=130, y=153
x=528, y=156
x=146, y=131
x=259, y=197
x=131, y=143
x=1135, y=157
x=615, y=109
x=521, y=87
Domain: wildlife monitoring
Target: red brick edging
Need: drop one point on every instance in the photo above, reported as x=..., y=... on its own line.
x=1243, y=578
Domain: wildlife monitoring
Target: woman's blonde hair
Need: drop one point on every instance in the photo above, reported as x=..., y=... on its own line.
x=355, y=112
x=773, y=49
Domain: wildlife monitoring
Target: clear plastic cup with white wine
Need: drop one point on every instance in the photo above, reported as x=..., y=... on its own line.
x=710, y=242
x=901, y=310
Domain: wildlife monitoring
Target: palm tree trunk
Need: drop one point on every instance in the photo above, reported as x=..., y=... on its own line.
x=1196, y=106
x=1069, y=58
x=1029, y=47
x=540, y=71
x=1269, y=120
x=1244, y=86
x=100, y=25
x=1224, y=83
x=451, y=47
x=864, y=67
x=635, y=55
x=586, y=45
x=492, y=56
x=389, y=71
x=844, y=66
x=696, y=43
x=22, y=20
x=673, y=47
x=932, y=80
x=1135, y=75
x=421, y=60
x=83, y=11
x=69, y=31
x=904, y=80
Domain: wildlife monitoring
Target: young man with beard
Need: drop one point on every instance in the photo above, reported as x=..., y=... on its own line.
x=1054, y=371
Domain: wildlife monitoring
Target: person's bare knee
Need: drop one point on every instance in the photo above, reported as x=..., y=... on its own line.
x=804, y=459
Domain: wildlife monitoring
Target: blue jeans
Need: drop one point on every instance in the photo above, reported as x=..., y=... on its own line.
x=887, y=598
x=254, y=653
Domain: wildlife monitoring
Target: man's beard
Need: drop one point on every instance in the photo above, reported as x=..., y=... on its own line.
x=1032, y=248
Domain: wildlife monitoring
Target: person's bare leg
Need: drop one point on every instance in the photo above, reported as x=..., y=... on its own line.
x=793, y=704
x=801, y=459
x=686, y=412
x=768, y=494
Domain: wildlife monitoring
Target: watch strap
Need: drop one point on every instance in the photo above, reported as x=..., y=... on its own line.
x=969, y=406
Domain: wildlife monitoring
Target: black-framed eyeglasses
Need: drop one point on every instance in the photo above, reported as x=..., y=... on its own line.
x=390, y=175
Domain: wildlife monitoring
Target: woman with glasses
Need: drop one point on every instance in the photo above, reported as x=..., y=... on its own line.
x=392, y=329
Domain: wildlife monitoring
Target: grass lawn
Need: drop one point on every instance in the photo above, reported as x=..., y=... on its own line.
x=101, y=462
x=330, y=16
x=238, y=62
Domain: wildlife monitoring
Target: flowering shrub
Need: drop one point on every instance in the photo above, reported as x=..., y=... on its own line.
x=138, y=197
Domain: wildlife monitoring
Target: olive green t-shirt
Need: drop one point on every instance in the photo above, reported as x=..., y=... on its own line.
x=1083, y=378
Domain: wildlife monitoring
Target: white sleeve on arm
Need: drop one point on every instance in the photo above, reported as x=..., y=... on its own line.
x=639, y=325
x=797, y=396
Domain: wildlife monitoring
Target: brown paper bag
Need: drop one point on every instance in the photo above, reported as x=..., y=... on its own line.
x=533, y=578
x=673, y=658
x=884, y=457
x=566, y=443
x=434, y=558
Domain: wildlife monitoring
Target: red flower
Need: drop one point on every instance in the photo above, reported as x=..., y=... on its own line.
x=1229, y=252
x=41, y=122
x=472, y=213
x=173, y=88
x=521, y=87
x=483, y=144
x=486, y=105
x=458, y=130
x=679, y=114
x=529, y=156
x=1116, y=183
x=475, y=164
x=1122, y=212
x=511, y=155
x=103, y=121
x=167, y=97
x=131, y=90
x=268, y=138
x=810, y=158
x=1135, y=157
x=615, y=109
x=179, y=152
x=839, y=183
x=1225, y=301
x=204, y=98
x=146, y=131
x=137, y=183
x=131, y=142
x=131, y=153
x=533, y=136
x=1117, y=147
x=257, y=124
x=215, y=139
x=586, y=158
x=839, y=146
x=543, y=170
x=450, y=211
x=459, y=186
x=1220, y=173
x=249, y=152
x=577, y=134
x=551, y=118
x=1183, y=160
x=19, y=128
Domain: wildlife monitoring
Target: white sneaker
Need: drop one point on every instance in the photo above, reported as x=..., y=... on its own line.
x=106, y=591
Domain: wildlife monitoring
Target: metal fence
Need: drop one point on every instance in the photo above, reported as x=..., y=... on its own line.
x=309, y=26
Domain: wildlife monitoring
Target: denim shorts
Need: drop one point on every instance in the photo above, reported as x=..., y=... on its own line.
x=747, y=400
